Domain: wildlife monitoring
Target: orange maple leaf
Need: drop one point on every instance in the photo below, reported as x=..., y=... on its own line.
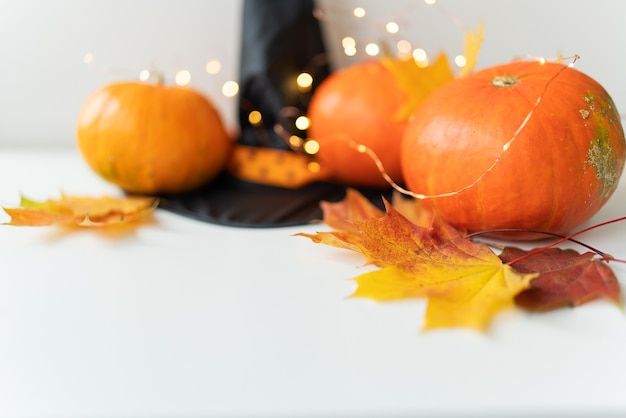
x=80, y=211
x=354, y=207
x=342, y=216
x=345, y=215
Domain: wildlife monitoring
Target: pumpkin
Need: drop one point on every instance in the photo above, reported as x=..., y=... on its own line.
x=358, y=105
x=152, y=138
x=564, y=146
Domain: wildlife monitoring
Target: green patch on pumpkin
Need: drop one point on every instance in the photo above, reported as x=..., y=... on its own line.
x=601, y=156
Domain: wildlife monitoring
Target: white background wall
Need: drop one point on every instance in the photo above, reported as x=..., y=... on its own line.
x=43, y=80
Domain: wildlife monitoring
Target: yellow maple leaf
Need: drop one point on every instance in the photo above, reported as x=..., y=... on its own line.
x=418, y=81
x=473, y=42
x=459, y=295
x=80, y=211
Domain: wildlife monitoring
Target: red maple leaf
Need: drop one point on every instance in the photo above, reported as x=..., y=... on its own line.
x=566, y=277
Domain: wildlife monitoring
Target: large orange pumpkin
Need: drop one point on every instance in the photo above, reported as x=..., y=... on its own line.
x=358, y=105
x=149, y=138
x=559, y=170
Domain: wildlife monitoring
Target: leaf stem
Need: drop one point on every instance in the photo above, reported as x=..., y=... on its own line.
x=536, y=231
x=609, y=259
x=569, y=238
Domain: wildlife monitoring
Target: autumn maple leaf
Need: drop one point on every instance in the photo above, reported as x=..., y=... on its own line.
x=565, y=278
x=353, y=208
x=342, y=216
x=466, y=283
x=473, y=42
x=80, y=211
x=418, y=81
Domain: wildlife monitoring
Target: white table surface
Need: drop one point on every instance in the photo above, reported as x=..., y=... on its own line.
x=188, y=319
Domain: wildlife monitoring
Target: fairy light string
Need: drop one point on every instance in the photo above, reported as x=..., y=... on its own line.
x=310, y=146
x=390, y=25
x=292, y=123
x=363, y=149
x=350, y=47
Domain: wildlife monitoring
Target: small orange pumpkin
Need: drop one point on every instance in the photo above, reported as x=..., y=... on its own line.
x=152, y=138
x=358, y=105
x=563, y=165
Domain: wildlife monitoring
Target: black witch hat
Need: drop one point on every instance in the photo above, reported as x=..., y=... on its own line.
x=280, y=39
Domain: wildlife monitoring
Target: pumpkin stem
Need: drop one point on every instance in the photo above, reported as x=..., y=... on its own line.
x=504, y=81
